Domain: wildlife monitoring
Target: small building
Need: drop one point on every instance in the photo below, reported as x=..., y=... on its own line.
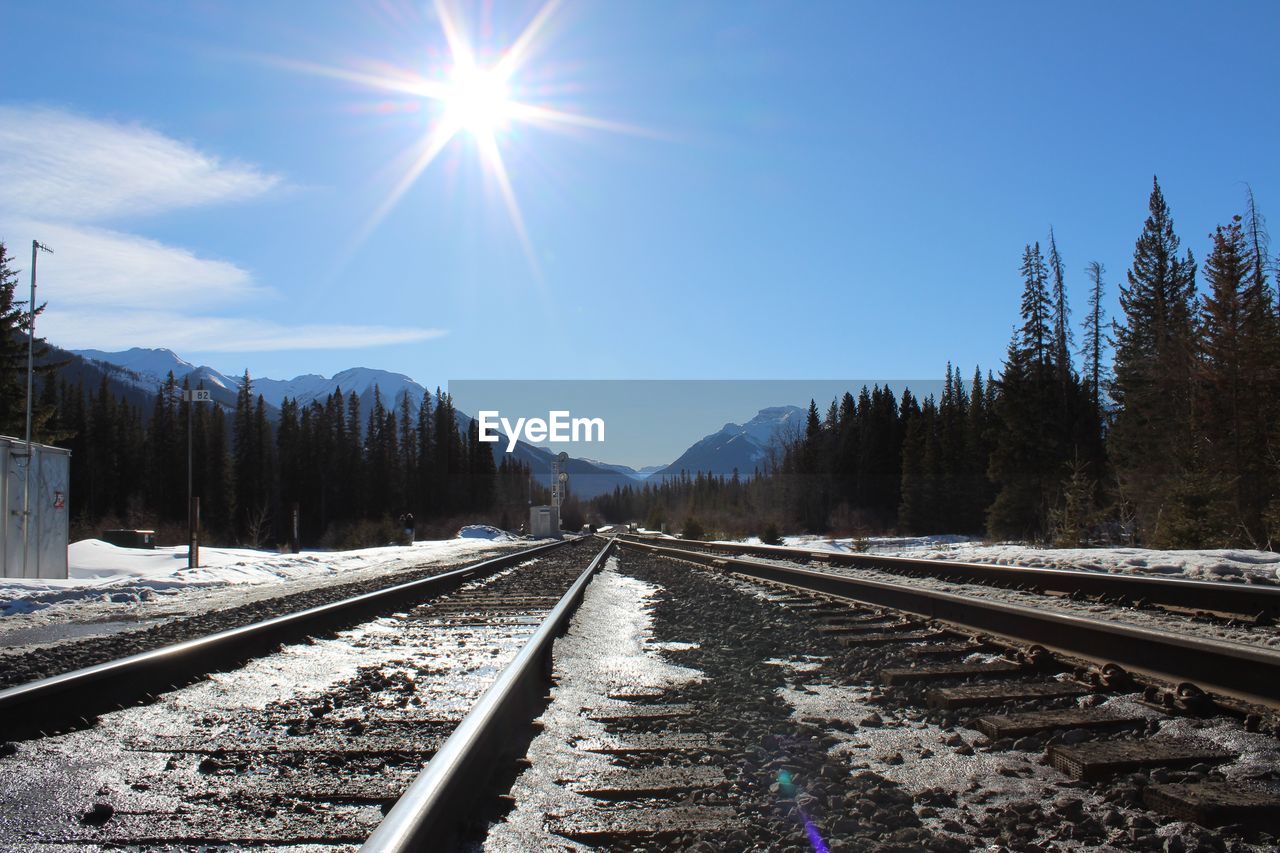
x=544, y=522
x=35, y=497
x=131, y=538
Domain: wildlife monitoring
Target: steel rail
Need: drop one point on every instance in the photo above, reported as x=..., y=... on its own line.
x=61, y=700
x=426, y=814
x=1251, y=673
x=1234, y=598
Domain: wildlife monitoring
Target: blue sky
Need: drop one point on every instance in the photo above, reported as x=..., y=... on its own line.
x=820, y=190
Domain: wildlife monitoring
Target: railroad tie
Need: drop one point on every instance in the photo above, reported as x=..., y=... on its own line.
x=1095, y=760
x=996, y=726
x=944, y=671
x=995, y=694
x=1218, y=803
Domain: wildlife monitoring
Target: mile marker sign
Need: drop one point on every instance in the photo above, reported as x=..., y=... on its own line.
x=198, y=395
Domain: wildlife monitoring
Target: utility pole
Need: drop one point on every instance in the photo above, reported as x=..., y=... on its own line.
x=36, y=246
x=192, y=396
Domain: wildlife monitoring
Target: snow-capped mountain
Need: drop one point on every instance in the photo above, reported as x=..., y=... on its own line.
x=740, y=447
x=362, y=380
x=147, y=369
x=147, y=363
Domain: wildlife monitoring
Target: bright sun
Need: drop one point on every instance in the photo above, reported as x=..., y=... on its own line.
x=478, y=101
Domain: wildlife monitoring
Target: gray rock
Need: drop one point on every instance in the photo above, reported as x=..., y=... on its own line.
x=98, y=815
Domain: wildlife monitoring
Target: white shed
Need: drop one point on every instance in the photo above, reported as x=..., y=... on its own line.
x=544, y=522
x=43, y=491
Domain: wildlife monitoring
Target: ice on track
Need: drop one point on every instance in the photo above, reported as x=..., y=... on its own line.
x=1226, y=564
x=608, y=648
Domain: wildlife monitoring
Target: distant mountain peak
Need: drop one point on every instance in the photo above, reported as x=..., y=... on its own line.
x=141, y=360
x=776, y=413
x=735, y=447
x=147, y=369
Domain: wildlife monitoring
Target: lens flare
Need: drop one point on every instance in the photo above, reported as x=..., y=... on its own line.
x=480, y=100
x=787, y=788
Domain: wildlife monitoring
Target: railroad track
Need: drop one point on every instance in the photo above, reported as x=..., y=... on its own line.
x=704, y=703
x=760, y=713
x=1242, y=674
x=309, y=743
x=1255, y=602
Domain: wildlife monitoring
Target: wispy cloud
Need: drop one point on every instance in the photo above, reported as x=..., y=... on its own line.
x=57, y=165
x=64, y=176
x=96, y=267
x=112, y=330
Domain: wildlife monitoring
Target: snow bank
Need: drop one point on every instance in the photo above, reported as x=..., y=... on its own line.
x=100, y=571
x=873, y=545
x=1211, y=564
x=484, y=531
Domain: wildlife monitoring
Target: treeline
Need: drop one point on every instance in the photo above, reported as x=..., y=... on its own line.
x=349, y=475
x=1161, y=427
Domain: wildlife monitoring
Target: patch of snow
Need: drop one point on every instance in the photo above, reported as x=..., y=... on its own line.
x=484, y=531
x=101, y=572
x=1207, y=564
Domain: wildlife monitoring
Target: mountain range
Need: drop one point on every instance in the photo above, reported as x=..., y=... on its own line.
x=147, y=369
x=734, y=447
x=737, y=448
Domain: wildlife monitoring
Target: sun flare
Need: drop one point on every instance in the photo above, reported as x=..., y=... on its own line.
x=478, y=101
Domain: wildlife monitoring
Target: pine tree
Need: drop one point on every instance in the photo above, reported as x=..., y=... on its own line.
x=846, y=453
x=921, y=468
x=254, y=467
x=481, y=469
x=950, y=485
x=217, y=495
x=293, y=463
x=1076, y=515
x=811, y=492
x=448, y=465
x=1261, y=370
x=1037, y=336
x=1151, y=438
x=15, y=319
x=408, y=462
x=1233, y=408
x=1061, y=317
x=1034, y=430
x=978, y=493
x=1095, y=335
x=354, y=480
x=424, y=490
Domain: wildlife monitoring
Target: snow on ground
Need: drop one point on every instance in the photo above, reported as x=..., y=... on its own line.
x=483, y=531
x=1210, y=564
x=117, y=588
